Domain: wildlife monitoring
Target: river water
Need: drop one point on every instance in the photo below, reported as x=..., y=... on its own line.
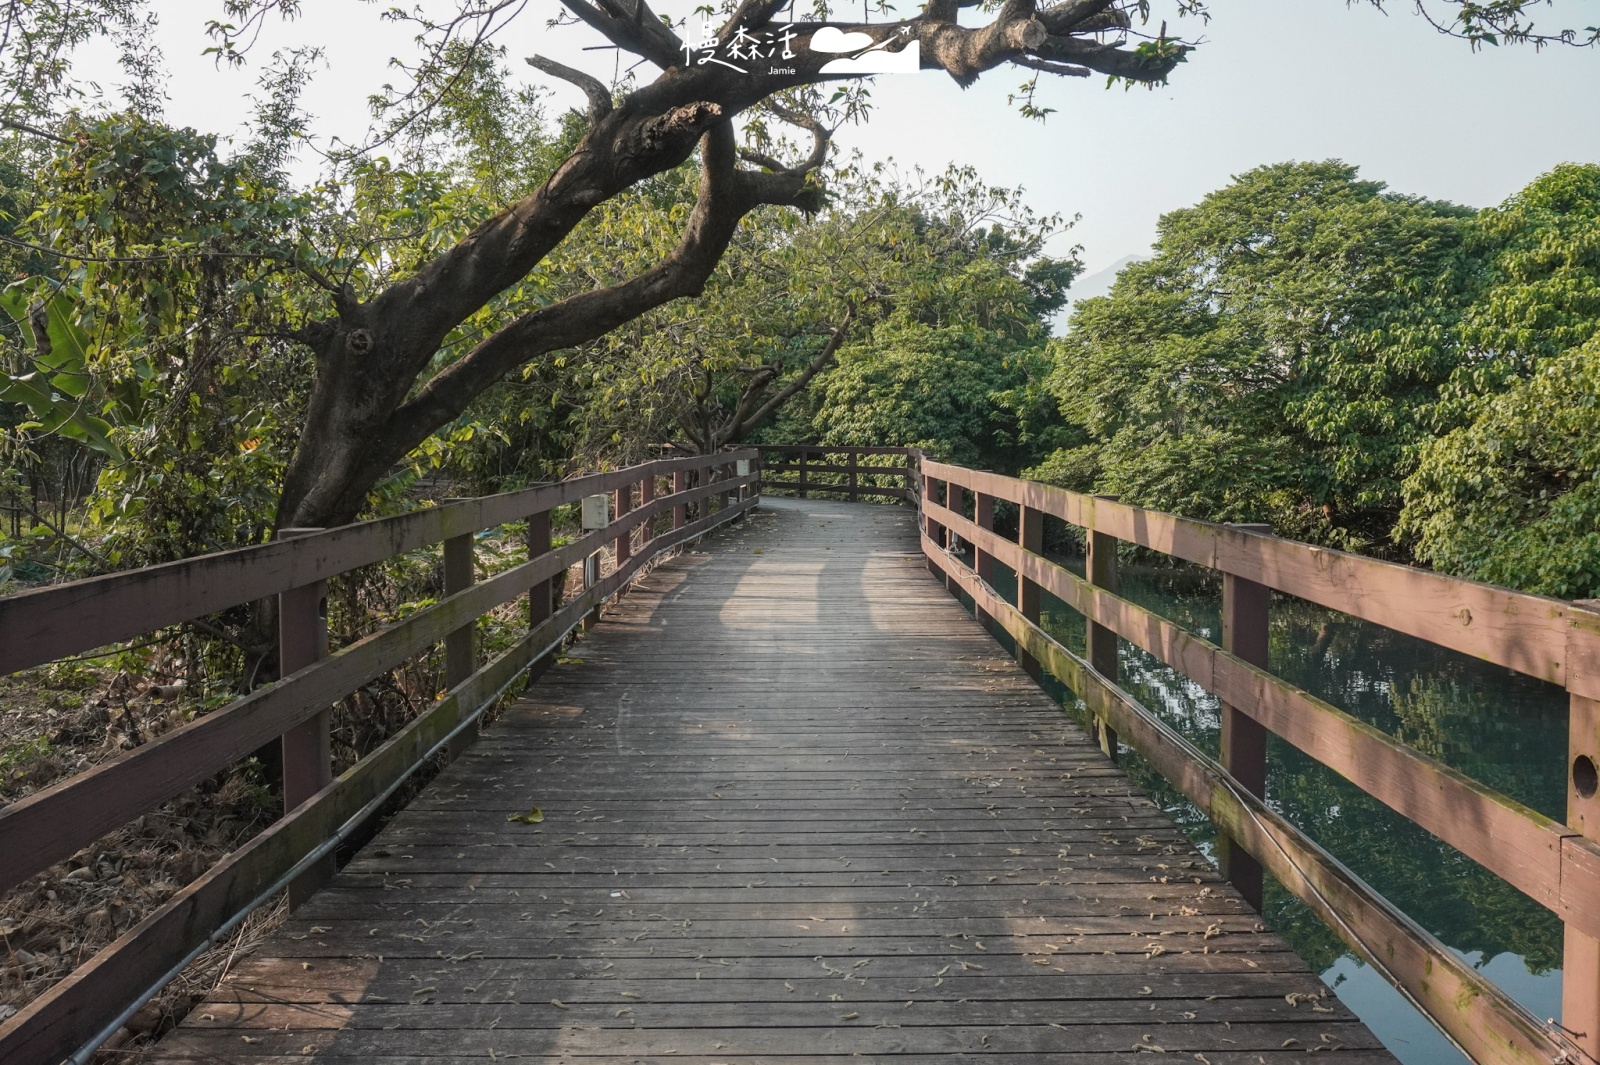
x=1501, y=728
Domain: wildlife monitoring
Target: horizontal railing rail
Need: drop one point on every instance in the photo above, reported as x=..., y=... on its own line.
x=82, y=1011
x=823, y=470
x=1554, y=863
x=48, y=623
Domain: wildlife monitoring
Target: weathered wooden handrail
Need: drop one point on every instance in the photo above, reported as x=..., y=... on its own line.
x=55, y=822
x=1546, y=638
x=797, y=459
x=48, y=623
x=1556, y=864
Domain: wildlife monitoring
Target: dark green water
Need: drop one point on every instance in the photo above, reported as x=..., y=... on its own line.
x=1499, y=727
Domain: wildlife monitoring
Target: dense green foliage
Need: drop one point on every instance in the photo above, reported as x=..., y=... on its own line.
x=1354, y=366
x=956, y=363
x=1512, y=497
x=967, y=395
x=1372, y=371
x=1274, y=361
x=1507, y=492
x=896, y=260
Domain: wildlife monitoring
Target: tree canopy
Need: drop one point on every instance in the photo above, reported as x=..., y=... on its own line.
x=381, y=319
x=1275, y=359
x=1507, y=491
x=1374, y=371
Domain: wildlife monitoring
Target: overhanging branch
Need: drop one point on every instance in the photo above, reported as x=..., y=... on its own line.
x=599, y=96
x=742, y=425
x=639, y=31
x=1066, y=70
x=725, y=196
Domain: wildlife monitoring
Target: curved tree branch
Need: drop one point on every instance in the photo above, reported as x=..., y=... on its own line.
x=600, y=103
x=726, y=195
x=743, y=423
x=1066, y=70
x=639, y=31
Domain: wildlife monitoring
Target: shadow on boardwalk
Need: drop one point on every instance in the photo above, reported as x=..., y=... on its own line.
x=797, y=806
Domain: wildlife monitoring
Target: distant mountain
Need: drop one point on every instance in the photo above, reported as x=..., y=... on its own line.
x=1096, y=284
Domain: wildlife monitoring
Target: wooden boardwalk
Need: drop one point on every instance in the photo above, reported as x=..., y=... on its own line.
x=797, y=806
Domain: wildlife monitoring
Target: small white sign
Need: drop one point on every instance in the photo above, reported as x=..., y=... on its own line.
x=743, y=467
x=596, y=512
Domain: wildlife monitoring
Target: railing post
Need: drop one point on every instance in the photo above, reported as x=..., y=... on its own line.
x=1030, y=537
x=983, y=562
x=542, y=596
x=741, y=470
x=458, y=645
x=647, y=495
x=805, y=457
x=1101, y=568
x=1580, y=968
x=935, y=530
x=1245, y=609
x=596, y=517
x=680, y=512
x=624, y=538
x=307, y=748
x=952, y=503
x=855, y=476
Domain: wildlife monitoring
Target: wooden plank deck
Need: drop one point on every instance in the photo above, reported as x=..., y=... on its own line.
x=798, y=807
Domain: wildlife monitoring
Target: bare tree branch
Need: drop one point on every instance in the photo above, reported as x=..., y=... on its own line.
x=1066, y=70
x=762, y=159
x=821, y=135
x=742, y=425
x=22, y=127
x=752, y=13
x=1085, y=16
x=599, y=96
x=640, y=32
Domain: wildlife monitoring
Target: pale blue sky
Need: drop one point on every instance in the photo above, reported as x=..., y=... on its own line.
x=1276, y=80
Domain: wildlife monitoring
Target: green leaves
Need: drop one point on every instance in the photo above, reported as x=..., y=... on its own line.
x=1513, y=497
x=1378, y=372
x=1508, y=491
x=58, y=391
x=61, y=347
x=1278, y=357
x=534, y=816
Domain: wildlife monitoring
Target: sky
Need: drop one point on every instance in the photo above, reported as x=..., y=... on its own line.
x=1274, y=80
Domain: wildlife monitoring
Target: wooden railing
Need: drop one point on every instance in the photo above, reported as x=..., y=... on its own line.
x=39, y=626
x=1556, y=864
x=853, y=472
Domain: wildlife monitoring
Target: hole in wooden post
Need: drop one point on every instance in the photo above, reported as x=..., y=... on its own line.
x=1584, y=777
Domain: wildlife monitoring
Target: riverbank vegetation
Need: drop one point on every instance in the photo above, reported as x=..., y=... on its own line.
x=1373, y=371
